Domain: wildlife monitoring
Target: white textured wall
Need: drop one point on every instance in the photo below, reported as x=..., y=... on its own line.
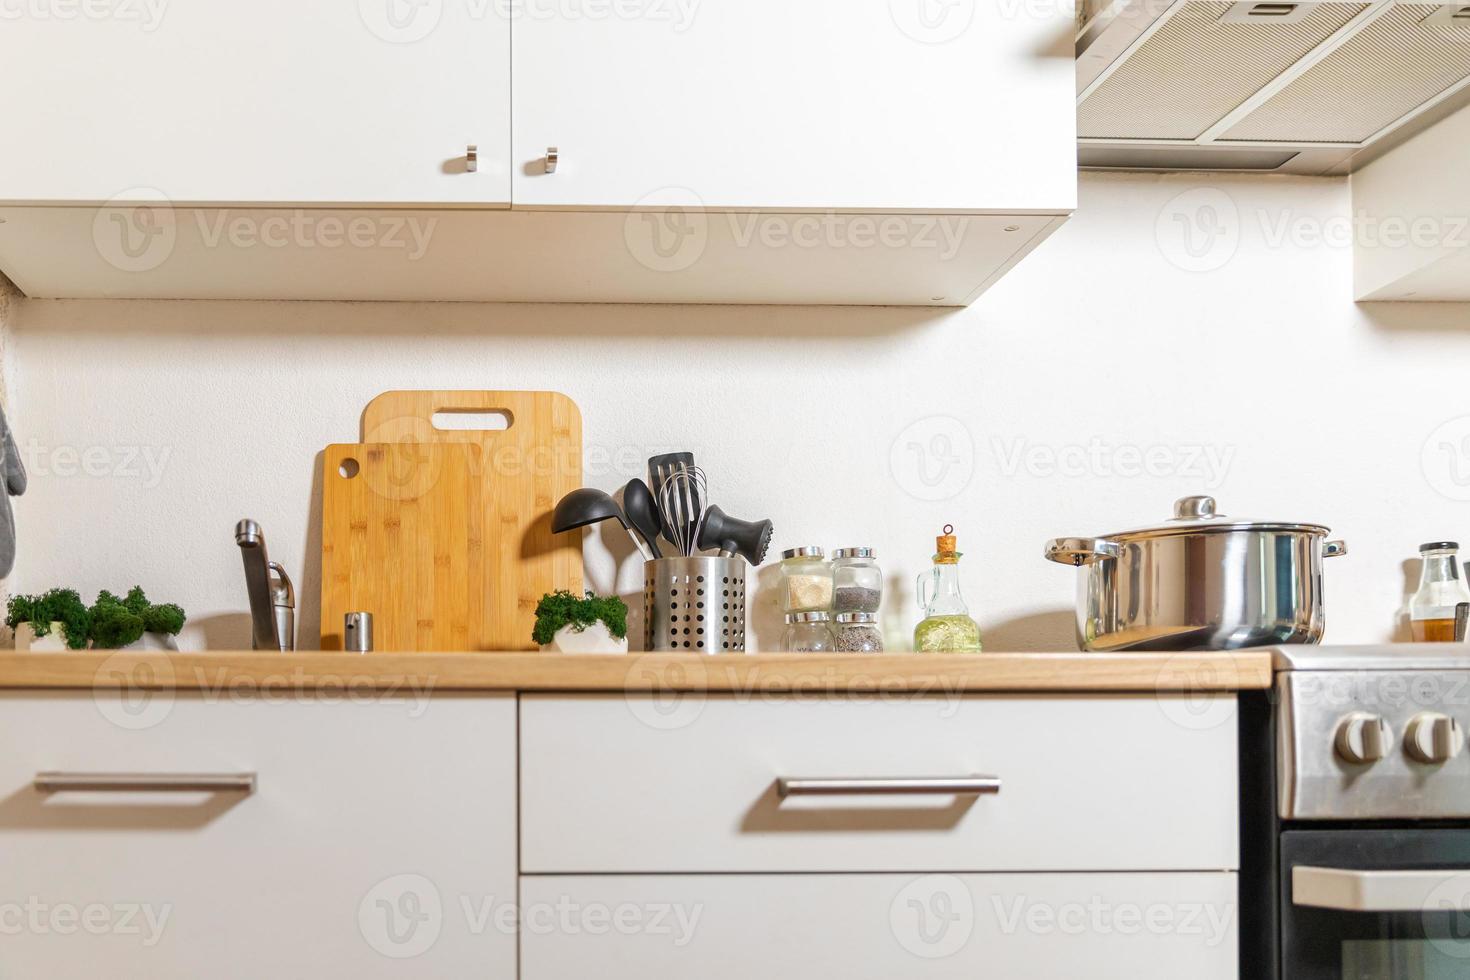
x=1133, y=354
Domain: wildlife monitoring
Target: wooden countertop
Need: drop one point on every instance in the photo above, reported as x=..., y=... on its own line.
x=755, y=674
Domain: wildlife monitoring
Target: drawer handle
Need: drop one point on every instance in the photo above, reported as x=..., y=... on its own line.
x=139, y=782
x=946, y=785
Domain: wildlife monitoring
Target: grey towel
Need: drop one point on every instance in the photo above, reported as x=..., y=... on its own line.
x=15, y=485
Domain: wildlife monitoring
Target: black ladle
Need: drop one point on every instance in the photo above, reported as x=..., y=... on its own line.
x=643, y=512
x=591, y=506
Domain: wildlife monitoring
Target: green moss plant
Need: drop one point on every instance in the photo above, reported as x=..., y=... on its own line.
x=62, y=606
x=561, y=608
x=119, y=622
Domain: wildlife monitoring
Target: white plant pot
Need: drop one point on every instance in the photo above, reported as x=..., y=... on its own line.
x=153, y=641
x=26, y=639
x=593, y=639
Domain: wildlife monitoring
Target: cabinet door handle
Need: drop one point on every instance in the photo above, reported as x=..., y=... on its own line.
x=908, y=786
x=141, y=782
x=472, y=158
x=551, y=157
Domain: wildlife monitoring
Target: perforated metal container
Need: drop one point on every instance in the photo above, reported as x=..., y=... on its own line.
x=694, y=605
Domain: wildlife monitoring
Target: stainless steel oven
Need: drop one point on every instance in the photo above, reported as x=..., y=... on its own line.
x=1356, y=816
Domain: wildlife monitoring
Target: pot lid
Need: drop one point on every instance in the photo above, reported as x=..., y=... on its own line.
x=1199, y=513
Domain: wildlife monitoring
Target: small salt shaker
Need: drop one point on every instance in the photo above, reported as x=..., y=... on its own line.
x=357, y=632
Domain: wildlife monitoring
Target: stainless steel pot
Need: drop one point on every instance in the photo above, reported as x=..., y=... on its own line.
x=1199, y=581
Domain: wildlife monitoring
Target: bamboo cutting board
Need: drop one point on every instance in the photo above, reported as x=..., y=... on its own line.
x=444, y=535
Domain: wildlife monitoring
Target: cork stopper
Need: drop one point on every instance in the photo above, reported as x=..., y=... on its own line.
x=945, y=549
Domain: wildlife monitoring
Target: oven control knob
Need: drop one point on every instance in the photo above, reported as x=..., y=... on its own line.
x=1363, y=739
x=1434, y=739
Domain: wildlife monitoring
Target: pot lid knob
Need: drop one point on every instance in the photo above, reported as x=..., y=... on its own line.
x=1194, y=508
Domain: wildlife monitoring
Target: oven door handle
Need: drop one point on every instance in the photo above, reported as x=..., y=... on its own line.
x=1345, y=890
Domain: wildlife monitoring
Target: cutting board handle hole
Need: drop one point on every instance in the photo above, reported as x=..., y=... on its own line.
x=472, y=420
x=349, y=468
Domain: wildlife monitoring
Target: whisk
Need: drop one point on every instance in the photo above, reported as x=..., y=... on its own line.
x=681, y=498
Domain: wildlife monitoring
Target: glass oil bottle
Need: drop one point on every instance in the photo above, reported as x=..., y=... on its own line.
x=946, y=626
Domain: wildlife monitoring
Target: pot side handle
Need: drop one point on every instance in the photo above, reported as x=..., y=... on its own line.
x=1334, y=549
x=1081, y=551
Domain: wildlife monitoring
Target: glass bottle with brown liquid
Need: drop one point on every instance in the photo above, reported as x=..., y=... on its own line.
x=1441, y=588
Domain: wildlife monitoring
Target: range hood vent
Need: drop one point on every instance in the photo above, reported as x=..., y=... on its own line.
x=1329, y=74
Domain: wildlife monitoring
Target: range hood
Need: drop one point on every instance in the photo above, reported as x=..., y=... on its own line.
x=1317, y=88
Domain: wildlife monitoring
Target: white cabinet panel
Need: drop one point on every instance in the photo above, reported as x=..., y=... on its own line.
x=128, y=252
x=375, y=825
x=824, y=104
x=268, y=101
x=615, y=784
x=878, y=927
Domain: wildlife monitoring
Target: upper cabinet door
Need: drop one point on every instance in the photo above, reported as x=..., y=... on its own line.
x=270, y=101
x=880, y=105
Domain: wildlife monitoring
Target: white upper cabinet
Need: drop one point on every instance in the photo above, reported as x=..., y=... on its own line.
x=889, y=152
x=271, y=101
x=865, y=105
x=1411, y=235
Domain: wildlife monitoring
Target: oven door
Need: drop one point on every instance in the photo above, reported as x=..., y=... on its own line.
x=1375, y=904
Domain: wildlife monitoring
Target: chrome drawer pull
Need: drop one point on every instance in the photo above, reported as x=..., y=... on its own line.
x=923, y=786
x=140, y=782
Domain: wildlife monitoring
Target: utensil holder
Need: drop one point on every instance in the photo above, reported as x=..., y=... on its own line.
x=694, y=605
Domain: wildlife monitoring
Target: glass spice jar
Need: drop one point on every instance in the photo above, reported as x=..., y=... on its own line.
x=858, y=632
x=809, y=632
x=857, y=580
x=806, y=581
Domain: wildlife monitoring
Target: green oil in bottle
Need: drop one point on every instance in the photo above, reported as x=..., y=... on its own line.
x=946, y=626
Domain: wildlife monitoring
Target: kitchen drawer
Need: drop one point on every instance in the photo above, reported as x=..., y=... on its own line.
x=371, y=822
x=638, y=785
x=1016, y=927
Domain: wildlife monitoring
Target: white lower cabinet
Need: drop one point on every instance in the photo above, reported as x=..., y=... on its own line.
x=1115, y=926
x=379, y=830
x=637, y=785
